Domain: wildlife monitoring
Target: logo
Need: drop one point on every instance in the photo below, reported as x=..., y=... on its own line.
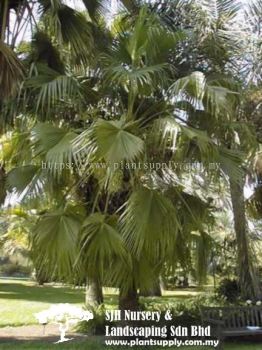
x=64, y=315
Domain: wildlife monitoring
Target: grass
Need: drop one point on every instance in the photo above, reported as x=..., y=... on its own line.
x=21, y=299
x=91, y=345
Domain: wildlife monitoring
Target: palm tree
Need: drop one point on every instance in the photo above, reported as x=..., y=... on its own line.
x=252, y=72
x=218, y=50
x=127, y=107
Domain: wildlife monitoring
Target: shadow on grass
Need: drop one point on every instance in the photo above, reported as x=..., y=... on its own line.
x=25, y=290
x=47, y=294
x=16, y=291
x=62, y=294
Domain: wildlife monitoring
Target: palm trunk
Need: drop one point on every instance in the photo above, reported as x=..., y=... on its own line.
x=4, y=19
x=249, y=285
x=128, y=300
x=155, y=291
x=94, y=292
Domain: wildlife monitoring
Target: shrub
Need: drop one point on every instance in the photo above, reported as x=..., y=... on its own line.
x=229, y=289
x=97, y=324
x=187, y=312
x=12, y=269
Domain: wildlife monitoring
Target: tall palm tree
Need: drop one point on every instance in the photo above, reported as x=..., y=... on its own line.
x=222, y=49
x=107, y=116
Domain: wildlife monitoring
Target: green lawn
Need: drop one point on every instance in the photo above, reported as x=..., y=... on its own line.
x=21, y=299
x=88, y=345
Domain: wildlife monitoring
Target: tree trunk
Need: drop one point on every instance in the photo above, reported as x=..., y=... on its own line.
x=155, y=291
x=128, y=300
x=248, y=281
x=94, y=292
x=40, y=276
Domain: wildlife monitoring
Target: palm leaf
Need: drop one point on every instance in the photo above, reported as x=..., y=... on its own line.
x=217, y=8
x=43, y=51
x=231, y=163
x=101, y=246
x=138, y=58
x=115, y=142
x=76, y=31
x=52, y=88
x=94, y=8
x=45, y=136
x=55, y=144
x=136, y=78
x=62, y=152
x=130, y=5
x=202, y=243
x=11, y=72
x=208, y=149
x=55, y=239
x=70, y=27
x=225, y=160
x=111, y=141
x=196, y=90
x=26, y=181
x=154, y=232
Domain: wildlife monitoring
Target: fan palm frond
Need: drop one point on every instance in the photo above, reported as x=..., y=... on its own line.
x=52, y=88
x=136, y=78
x=26, y=181
x=43, y=51
x=115, y=142
x=196, y=89
x=101, y=246
x=168, y=130
x=215, y=157
x=139, y=56
x=94, y=8
x=218, y=8
x=11, y=72
x=154, y=232
x=219, y=34
x=231, y=163
x=55, y=239
x=112, y=141
x=70, y=27
x=254, y=14
x=205, y=144
x=45, y=136
x=131, y=5
x=55, y=145
x=201, y=254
